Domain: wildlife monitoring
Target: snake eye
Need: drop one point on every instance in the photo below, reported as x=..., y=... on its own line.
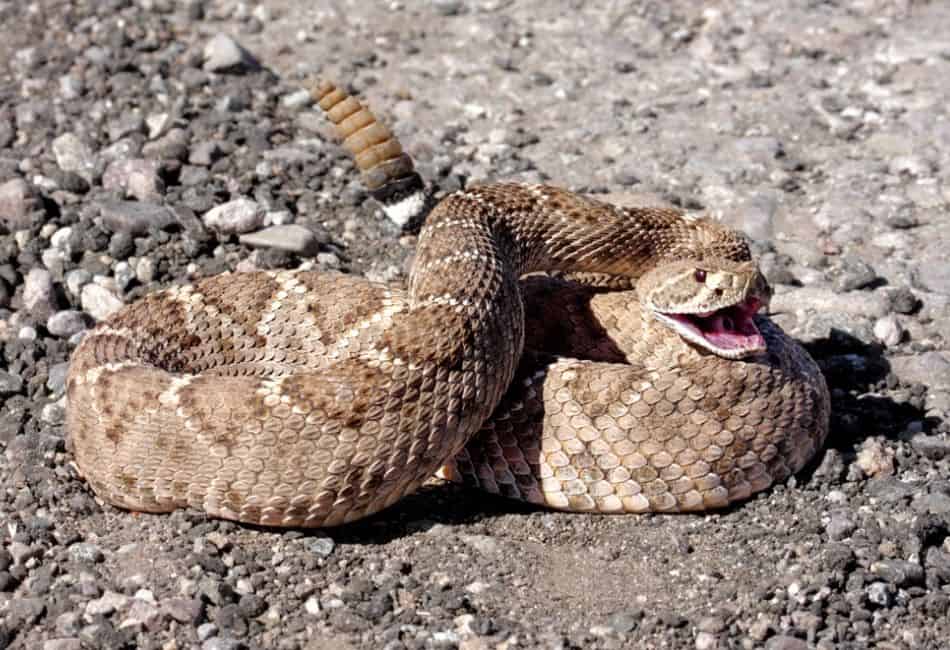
x=700, y=276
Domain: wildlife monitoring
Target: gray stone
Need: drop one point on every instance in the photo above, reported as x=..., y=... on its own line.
x=99, y=302
x=934, y=447
x=73, y=155
x=851, y=274
x=86, y=553
x=184, y=610
x=38, y=298
x=321, y=546
x=66, y=323
x=840, y=526
x=137, y=178
x=56, y=382
x=142, y=613
x=290, y=237
x=235, y=217
x=20, y=206
x=133, y=217
x=109, y=603
x=899, y=573
x=866, y=304
x=76, y=280
x=223, y=54
x=881, y=594
x=10, y=384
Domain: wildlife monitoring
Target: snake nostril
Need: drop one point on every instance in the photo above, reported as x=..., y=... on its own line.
x=718, y=291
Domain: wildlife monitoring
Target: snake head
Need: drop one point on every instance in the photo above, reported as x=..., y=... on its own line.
x=709, y=303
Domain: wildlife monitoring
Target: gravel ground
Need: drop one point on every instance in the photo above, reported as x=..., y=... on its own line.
x=140, y=146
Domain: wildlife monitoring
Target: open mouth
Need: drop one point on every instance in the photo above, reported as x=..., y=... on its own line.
x=729, y=332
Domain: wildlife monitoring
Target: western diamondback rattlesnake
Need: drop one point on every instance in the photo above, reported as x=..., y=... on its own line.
x=313, y=399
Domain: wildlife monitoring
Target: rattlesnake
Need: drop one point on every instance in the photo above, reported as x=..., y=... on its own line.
x=299, y=398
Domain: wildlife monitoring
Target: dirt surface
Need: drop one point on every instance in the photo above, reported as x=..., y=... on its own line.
x=819, y=128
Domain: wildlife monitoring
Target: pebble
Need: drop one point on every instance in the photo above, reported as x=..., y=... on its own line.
x=934, y=447
x=10, y=384
x=134, y=218
x=76, y=280
x=851, y=274
x=38, y=298
x=54, y=413
x=99, y=302
x=840, y=526
x=875, y=458
x=223, y=54
x=138, y=178
x=73, y=155
x=291, y=237
x=235, y=217
x=20, y=206
x=321, y=546
x=109, y=603
x=65, y=323
x=888, y=330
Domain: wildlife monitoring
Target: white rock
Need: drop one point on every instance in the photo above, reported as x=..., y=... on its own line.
x=888, y=330
x=235, y=217
x=99, y=302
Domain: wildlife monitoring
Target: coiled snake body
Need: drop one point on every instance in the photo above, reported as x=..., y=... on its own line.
x=313, y=399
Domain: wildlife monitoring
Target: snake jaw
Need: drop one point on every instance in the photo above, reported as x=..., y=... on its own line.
x=728, y=332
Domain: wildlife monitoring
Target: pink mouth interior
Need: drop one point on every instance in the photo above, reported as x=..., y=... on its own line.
x=730, y=328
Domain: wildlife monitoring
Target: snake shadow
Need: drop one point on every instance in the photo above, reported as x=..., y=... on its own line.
x=867, y=398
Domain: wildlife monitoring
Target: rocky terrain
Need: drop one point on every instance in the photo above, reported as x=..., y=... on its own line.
x=149, y=142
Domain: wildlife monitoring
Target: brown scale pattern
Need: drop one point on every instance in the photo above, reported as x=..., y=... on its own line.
x=637, y=420
x=310, y=399
x=307, y=399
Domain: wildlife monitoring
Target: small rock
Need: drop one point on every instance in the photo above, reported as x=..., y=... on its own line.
x=706, y=641
x=138, y=178
x=109, y=603
x=66, y=323
x=133, y=217
x=881, y=594
x=223, y=54
x=142, y=613
x=99, y=302
x=852, y=274
x=899, y=573
x=10, y=384
x=73, y=155
x=448, y=7
x=38, y=297
x=290, y=237
x=840, y=526
x=145, y=270
x=235, y=217
x=184, y=610
x=874, y=459
x=86, y=553
x=934, y=447
x=69, y=643
x=321, y=546
x=888, y=330
x=20, y=206
x=53, y=413
x=76, y=280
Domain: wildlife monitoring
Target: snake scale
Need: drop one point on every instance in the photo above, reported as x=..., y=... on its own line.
x=303, y=398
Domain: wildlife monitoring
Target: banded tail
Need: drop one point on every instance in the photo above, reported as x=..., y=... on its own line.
x=388, y=171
